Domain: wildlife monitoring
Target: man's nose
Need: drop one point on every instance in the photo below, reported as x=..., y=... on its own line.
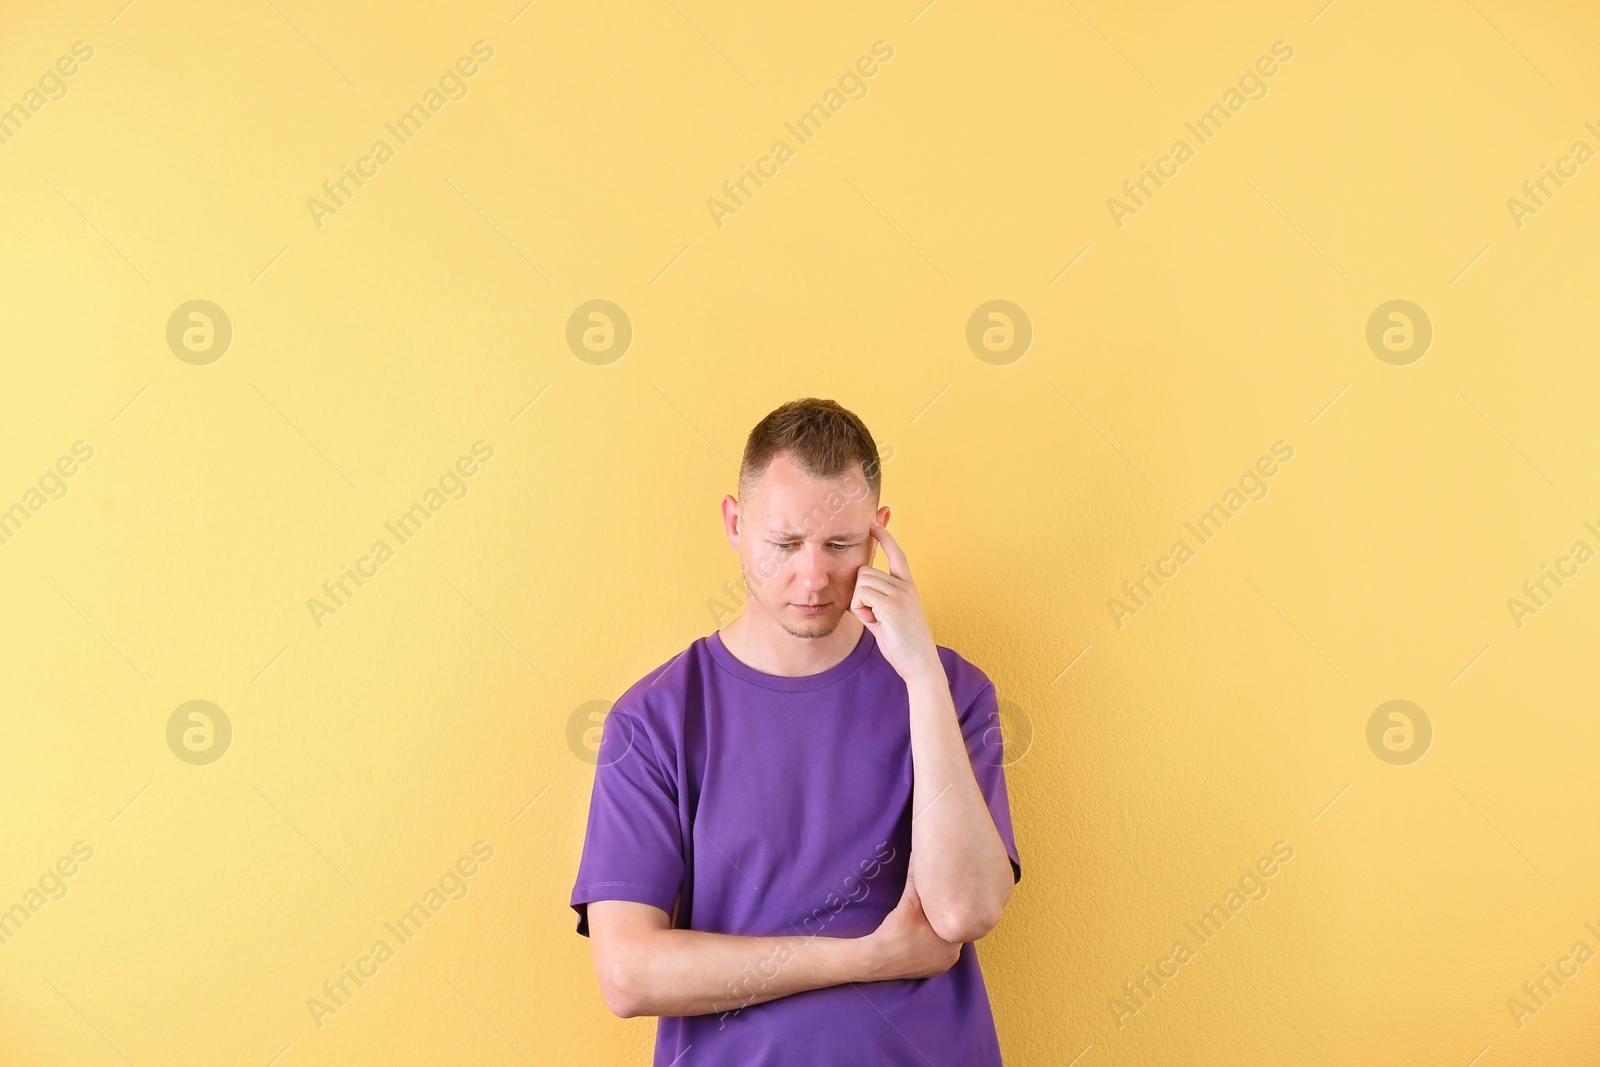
x=814, y=567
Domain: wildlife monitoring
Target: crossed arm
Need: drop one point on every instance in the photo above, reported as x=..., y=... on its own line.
x=959, y=881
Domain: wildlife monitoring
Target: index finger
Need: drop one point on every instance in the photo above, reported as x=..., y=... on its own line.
x=891, y=548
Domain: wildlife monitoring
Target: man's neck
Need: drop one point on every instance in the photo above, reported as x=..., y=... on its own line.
x=756, y=640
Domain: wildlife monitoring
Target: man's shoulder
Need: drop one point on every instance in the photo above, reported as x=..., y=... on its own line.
x=967, y=679
x=657, y=700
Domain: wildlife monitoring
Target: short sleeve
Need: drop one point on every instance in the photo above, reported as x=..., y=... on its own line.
x=986, y=748
x=633, y=847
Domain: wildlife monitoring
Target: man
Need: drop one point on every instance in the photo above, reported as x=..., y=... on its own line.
x=800, y=821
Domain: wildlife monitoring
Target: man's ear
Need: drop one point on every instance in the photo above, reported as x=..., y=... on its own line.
x=883, y=516
x=732, y=525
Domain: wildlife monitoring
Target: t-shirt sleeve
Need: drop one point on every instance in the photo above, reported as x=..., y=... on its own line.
x=981, y=727
x=633, y=848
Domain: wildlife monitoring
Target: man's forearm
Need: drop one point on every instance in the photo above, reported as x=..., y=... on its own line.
x=959, y=861
x=693, y=972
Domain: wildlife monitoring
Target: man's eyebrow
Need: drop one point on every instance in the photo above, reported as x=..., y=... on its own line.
x=790, y=534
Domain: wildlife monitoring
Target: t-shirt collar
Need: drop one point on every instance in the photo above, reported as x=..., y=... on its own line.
x=801, y=683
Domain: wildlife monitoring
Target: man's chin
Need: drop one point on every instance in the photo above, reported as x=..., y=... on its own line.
x=811, y=625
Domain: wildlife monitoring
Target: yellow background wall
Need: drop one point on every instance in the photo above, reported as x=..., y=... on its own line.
x=375, y=746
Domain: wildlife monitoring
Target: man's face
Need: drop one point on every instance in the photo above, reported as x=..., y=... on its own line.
x=801, y=541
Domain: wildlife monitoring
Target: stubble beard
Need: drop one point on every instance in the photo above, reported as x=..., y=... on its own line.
x=820, y=627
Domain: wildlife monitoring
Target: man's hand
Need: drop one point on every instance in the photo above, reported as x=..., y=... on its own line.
x=905, y=946
x=890, y=607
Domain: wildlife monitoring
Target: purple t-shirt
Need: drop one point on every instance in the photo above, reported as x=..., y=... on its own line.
x=782, y=807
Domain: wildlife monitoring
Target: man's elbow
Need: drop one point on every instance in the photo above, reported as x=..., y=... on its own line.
x=624, y=939
x=621, y=995
x=958, y=930
x=620, y=985
x=625, y=1009
x=961, y=925
x=970, y=920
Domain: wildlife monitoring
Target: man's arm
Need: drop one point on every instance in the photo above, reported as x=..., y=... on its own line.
x=646, y=967
x=957, y=855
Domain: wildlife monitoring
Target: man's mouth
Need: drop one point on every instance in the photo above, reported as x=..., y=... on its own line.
x=810, y=609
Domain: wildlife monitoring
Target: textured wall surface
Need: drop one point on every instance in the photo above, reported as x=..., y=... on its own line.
x=278, y=274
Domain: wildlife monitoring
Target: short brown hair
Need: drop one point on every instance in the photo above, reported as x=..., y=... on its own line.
x=824, y=439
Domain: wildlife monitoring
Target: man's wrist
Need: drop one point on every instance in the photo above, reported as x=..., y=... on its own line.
x=931, y=679
x=838, y=960
x=858, y=959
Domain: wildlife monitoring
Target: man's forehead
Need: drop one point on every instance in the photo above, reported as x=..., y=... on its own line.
x=831, y=518
x=789, y=503
x=831, y=531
